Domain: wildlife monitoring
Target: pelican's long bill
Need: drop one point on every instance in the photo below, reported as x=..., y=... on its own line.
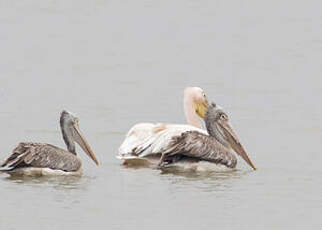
x=79, y=138
x=201, y=107
x=234, y=142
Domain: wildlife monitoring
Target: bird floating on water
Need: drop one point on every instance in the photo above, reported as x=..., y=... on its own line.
x=187, y=146
x=146, y=138
x=195, y=146
x=44, y=159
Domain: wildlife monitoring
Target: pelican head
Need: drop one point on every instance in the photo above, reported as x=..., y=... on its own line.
x=219, y=127
x=71, y=134
x=196, y=98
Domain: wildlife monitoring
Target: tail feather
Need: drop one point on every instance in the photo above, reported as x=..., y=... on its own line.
x=136, y=137
x=17, y=157
x=5, y=169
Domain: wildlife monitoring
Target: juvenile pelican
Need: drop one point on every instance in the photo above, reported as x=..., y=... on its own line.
x=46, y=159
x=216, y=147
x=144, y=139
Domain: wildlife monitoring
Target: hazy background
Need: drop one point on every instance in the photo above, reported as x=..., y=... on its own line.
x=116, y=63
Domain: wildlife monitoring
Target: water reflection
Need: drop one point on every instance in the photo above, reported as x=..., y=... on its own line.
x=204, y=181
x=206, y=174
x=60, y=182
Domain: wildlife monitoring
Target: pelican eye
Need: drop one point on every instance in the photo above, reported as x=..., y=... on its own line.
x=223, y=116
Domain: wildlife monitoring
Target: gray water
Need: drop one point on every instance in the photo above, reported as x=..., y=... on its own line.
x=115, y=63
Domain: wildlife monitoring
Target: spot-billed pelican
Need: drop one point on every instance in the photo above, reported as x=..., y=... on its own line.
x=45, y=159
x=195, y=146
x=145, y=139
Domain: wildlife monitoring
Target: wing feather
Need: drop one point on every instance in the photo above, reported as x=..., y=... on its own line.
x=148, y=139
x=198, y=145
x=41, y=156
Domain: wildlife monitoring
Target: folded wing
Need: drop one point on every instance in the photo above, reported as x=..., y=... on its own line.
x=150, y=139
x=199, y=146
x=41, y=156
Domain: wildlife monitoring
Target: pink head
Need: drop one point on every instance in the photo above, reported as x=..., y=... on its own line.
x=195, y=106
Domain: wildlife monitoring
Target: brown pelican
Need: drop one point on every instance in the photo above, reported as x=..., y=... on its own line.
x=46, y=159
x=215, y=147
x=144, y=138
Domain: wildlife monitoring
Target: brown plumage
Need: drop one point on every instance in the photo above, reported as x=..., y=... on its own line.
x=45, y=159
x=199, y=146
x=216, y=147
x=42, y=156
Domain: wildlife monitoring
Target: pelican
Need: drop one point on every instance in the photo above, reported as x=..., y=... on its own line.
x=45, y=159
x=195, y=146
x=144, y=139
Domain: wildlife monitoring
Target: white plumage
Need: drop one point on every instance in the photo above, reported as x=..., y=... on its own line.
x=146, y=139
x=145, y=142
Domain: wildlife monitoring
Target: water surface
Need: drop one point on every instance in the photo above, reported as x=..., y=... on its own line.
x=116, y=63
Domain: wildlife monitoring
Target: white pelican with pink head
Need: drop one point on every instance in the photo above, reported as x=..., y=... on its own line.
x=144, y=139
